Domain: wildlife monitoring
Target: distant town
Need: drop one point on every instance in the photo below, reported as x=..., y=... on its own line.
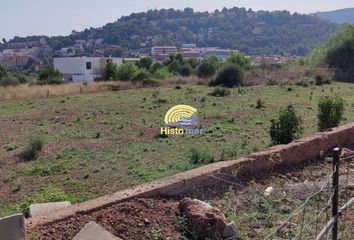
x=78, y=67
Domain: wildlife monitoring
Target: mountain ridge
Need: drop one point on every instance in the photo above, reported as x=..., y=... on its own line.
x=345, y=15
x=252, y=32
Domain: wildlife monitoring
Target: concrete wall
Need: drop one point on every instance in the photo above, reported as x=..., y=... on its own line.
x=291, y=154
x=74, y=68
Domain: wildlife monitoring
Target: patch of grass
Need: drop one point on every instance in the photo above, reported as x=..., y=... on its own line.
x=220, y=92
x=200, y=156
x=10, y=147
x=48, y=193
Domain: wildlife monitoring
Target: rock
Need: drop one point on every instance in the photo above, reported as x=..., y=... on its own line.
x=268, y=191
x=209, y=221
x=350, y=187
x=92, y=231
x=286, y=227
x=231, y=232
x=12, y=227
x=346, y=153
x=42, y=208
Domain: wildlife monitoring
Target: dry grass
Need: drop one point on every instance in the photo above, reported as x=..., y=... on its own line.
x=25, y=92
x=288, y=75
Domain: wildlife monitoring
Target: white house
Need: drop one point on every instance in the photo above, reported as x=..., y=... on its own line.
x=83, y=69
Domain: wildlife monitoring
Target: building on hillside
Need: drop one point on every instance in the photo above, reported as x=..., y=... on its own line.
x=83, y=69
x=12, y=58
x=218, y=52
x=161, y=53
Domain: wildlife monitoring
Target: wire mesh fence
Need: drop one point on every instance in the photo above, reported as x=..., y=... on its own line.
x=326, y=213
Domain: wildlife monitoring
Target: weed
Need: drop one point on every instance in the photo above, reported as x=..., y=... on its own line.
x=220, y=92
x=34, y=147
x=198, y=156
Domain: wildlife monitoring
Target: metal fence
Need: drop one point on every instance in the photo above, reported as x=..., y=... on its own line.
x=330, y=203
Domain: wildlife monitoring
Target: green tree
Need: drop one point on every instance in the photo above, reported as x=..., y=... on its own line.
x=145, y=62
x=287, y=127
x=126, y=71
x=110, y=71
x=206, y=69
x=141, y=75
x=230, y=75
x=330, y=112
x=238, y=59
x=50, y=76
x=156, y=66
x=338, y=51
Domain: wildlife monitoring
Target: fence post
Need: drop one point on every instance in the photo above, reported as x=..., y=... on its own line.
x=335, y=187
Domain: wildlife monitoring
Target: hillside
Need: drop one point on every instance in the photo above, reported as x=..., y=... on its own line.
x=338, y=16
x=254, y=33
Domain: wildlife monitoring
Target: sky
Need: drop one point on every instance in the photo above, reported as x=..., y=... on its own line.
x=60, y=17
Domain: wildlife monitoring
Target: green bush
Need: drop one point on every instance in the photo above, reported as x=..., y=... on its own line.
x=162, y=73
x=287, y=127
x=259, y=104
x=198, y=156
x=141, y=76
x=318, y=80
x=50, y=76
x=34, y=147
x=126, y=71
x=185, y=70
x=110, y=71
x=230, y=75
x=330, y=112
x=144, y=62
x=155, y=66
x=206, y=69
x=9, y=81
x=220, y=92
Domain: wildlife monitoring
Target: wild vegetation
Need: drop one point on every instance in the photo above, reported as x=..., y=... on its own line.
x=124, y=147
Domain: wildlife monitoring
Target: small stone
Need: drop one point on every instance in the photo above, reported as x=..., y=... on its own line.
x=268, y=191
x=231, y=231
x=146, y=221
x=93, y=231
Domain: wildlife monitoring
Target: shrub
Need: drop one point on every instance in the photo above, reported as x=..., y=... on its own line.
x=141, y=76
x=9, y=81
x=330, y=112
x=10, y=147
x=220, y=92
x=230, y=75
x=287, y=127
x=50, y=76
x=198, y=156
x=3, y=72
x=239, y=59
x=34, y=147
x=155, y=66
x=185, y=70
x=110, y=71
x=318, y=80
x=259, y=104
x=145, y=62
x=162, y=73
x=126, y=71
x=206, y=69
